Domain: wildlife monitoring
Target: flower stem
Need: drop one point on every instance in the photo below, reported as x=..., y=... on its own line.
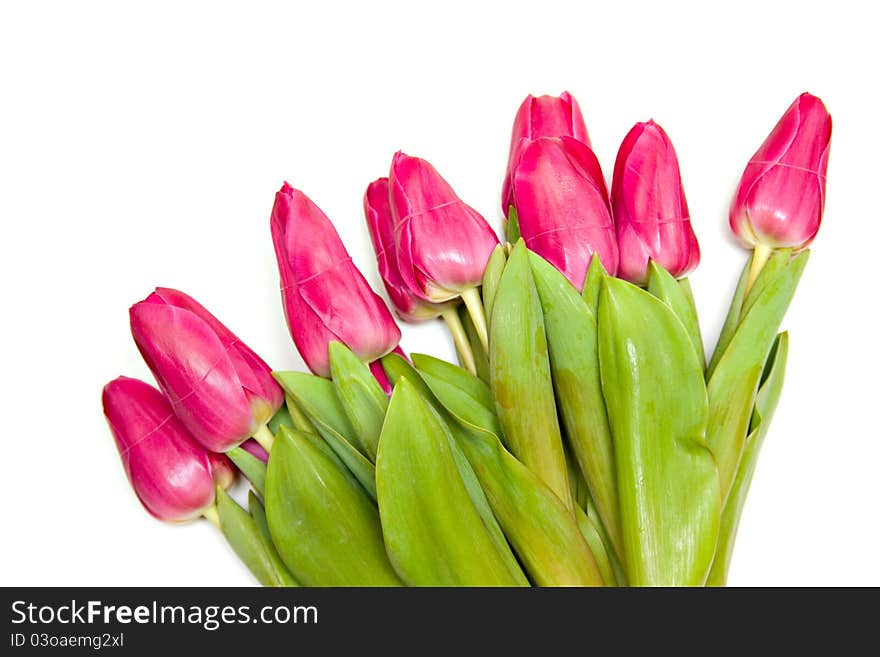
x=760, y=256
x=474, y=306
x=263, y=435
x=459, y=337
x=212, y=515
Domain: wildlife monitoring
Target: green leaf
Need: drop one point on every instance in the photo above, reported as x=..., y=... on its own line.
x=281, y=417
x=597, y=547
x=251, y=467
x=734, y=382
x=362, y=397
x=317, y=399
x=572, y=338
x=433, y=532
x=593, y=283
x=657, y=409
x=258, y=513
x=325, y=526
x=491, y=278
x=512, y=228
x=520, y=376
x=248, y=542
x=678, y=296
x=777, y=261
x=765, y=406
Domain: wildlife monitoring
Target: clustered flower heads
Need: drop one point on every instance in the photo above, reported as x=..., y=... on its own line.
x=583, y=440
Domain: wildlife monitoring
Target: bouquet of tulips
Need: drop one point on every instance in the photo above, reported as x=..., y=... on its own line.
x=583, y=440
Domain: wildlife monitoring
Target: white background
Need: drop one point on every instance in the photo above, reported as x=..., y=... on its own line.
x=142, y=146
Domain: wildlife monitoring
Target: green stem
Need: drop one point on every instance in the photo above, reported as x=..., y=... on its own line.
x=474, y=305
x=263, y=435
x=759, y=259
x=212, y=515
x=459, y=337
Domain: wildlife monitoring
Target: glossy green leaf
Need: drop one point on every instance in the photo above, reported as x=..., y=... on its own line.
x=765, y=406
x=491, y=278
x=324, y=524
x=593, y=283
x=258, y=513
x=777, y=261
x=281, y=417
x=678, y=296
x=730, y=322
x=317, y=399
x=251, y=467
x=520, y=375
x=572, y=338
x=734, y=382
x=361, y=396
x=597, y=547
x=433, y=532
x=657, y=409
x=249, y=543
x=511, y=230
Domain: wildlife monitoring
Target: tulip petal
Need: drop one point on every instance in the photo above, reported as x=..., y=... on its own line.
x=326, y=528
x=653, y=386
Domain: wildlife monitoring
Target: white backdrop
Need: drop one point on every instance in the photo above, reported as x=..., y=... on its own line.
x=142, y=146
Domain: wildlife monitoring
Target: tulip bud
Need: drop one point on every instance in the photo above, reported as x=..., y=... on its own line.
x=377, y=208
x=650, y=210
x=222, y=471
x=325, y=297
x=781, y=195
x=562, y=206
x=169, y=471
x=220, y=389
x=443, y=244
x=544, y=116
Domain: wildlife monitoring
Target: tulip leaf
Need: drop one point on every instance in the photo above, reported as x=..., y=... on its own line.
x=258, y=513
x=597, y=546
x=777, y=261
x=397, y=367
x=730, y=322
x=491, y=278
x=572, y=338
x=593, y=283
x=734, y=382
x=511, y=230
x=433, y=532
x=678, y=296
x=520, y=375
x=249, y=543
x=765, y=406
x=326, y=528
x=361, y=396
x=481, y=359
x=657, y=409
x=282, y=416
x=317, y=399
x=251, y=467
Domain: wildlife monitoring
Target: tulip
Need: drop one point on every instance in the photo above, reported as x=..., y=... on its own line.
x=650, y=210
x=169, y=471
x=377, y=208
x=220, y=389
x=781, y=195
x=562, y=206
x=222, y=471
x=544, y=116
x=325, y=297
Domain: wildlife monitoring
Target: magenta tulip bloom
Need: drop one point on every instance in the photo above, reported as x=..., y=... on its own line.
x=562, y=206
x=781, y=195
x=222, y=470
x=542, y=116
x=220, y=389
x=377, y=209
x=169, y=471
x=325, y=297
x=443, y=244
x=650, y=210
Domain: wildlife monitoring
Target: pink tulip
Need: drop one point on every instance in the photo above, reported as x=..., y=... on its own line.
x=781, y=195
x=544, y=116
x=169, y=471
x=562, y=206
x=325, y=297
x=220, y=389
x=222, y=471
x=255, y=449
x=377, y=208
x=650, y=210
x=443, y=244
